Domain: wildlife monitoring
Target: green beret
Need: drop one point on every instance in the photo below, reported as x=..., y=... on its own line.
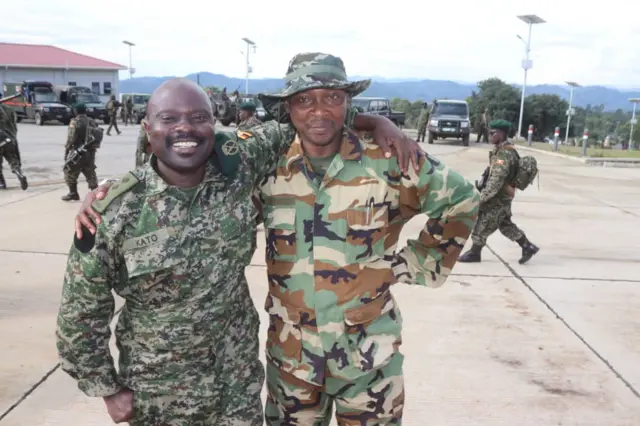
x=80, y=107
x=247, y=106
x=503, y=125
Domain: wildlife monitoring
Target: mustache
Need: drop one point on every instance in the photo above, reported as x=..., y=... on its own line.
x=183, y=136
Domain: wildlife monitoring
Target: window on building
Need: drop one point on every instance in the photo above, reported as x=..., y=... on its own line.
x=72, y=83
x=107, y=87
x=95, y=87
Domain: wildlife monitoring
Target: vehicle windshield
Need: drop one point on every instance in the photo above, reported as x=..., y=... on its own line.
x=140, y=99
x=45, y=97
x=445, y=108
x=361, y=104
x=88, y=98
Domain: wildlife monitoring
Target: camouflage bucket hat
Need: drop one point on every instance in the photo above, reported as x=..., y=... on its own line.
x=311, y=71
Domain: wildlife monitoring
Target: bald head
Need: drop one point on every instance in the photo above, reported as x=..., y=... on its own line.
x=168, y=92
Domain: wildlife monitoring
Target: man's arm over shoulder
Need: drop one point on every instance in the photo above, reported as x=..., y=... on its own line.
x=498, y=175
x=451, y=202
x=264, y=144
x=86, y=310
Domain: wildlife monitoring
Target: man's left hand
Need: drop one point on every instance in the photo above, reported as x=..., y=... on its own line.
x=393, y=140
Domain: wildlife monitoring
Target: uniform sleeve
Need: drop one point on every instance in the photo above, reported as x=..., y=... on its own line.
x=451, y=202
x=497, y=176
x=86, y=310
x=13, y=118
x=71, y=134
x=270, y=140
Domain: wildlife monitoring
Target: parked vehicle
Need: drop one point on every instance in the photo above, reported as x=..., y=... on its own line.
x=139, y=104
x=38, y=102
x=449, y=119
x=70, y=95
x=379, y=106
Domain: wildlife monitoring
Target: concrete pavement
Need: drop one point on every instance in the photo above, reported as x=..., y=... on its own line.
x=553, y=342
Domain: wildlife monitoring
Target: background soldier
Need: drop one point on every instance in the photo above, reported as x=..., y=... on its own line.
x=247, y=116
x=423, y=119
x=112, y=110
x=79, y=132
x=9, y=146
x=143, y=149
x=128, y=111
x=496, y=196
x=483, y=126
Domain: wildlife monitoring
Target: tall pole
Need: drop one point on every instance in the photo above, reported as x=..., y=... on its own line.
x=633, y=123
x=526, y=63
x=131, y=70
x=248, y=64
x=572, y=84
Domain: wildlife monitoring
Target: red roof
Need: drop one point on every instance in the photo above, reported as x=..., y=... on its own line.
x=45, y=56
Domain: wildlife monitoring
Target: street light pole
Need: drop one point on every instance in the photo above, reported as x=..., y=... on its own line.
x=527, y=63
x=249, y=45
x=131, y=70
x=573, y=84
x=633, y=122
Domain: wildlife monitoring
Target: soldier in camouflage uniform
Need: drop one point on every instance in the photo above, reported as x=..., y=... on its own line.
x=423, y=120
x=182, y=254
x=9, y=149
x=112, y=110
x=76, y=137
x=247, y=116
x=483, y=126
x=142, y=149
x=333, y=210
x=496, y=198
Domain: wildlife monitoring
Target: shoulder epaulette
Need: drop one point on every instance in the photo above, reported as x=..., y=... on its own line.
x=228, y=152
x=118, y=189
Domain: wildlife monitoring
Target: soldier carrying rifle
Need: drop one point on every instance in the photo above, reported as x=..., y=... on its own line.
x=9, y=145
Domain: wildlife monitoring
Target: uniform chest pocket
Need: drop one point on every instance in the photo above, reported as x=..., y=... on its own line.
x=366, y=228
x=280, y=231
x=155, y=272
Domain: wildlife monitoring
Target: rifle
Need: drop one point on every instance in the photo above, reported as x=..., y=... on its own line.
x=482, y=183
x=5, y=138
x=75, y=155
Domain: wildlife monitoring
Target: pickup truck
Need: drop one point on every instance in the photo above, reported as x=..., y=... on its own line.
x=37, y=102
x=449, y=118
x=379, y=106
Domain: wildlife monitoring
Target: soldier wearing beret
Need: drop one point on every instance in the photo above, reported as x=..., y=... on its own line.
x=496, y=197
x=247, y=116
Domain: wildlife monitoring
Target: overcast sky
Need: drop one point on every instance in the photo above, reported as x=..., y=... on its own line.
x=461, y=40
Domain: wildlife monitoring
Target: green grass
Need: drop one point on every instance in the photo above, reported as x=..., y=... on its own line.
x=576, y=151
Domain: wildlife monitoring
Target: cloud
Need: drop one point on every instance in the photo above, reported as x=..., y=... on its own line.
x=466, y=40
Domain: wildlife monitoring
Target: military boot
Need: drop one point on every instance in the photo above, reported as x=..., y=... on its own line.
x=22, y=178
x=73, y=194
x=471, y=256
x=3, y=183
x=528, y=251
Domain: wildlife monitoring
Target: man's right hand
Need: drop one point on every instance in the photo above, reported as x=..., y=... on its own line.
x=87, y=216
x=120, y=406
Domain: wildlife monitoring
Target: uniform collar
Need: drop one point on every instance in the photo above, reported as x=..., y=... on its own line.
x=156, y=185
x=350, y=149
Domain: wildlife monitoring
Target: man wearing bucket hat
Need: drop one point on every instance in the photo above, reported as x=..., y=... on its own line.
x=496, y=197
x=333, y=210
x=247, y=116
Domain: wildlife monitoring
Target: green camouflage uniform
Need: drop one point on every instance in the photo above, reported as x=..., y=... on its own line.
x=331, y=228
x=9, y=149
x=76, y=137
x=249, y=123
x=188, y=331
x=423, y=120
x=495, y=201
x=142, y=156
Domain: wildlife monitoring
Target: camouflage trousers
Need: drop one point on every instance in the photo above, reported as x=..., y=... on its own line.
x=490, y=220
x=422, y=132
x=171, y=410
x=86, y=166
x=11, y=153
x=113, y=123
x=376, y=398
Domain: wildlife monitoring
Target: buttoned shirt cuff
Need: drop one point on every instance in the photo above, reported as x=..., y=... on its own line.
x=100, y=386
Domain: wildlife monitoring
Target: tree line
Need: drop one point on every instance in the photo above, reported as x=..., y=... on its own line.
x=544, y=111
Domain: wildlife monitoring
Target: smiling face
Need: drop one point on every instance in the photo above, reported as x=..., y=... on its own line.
x=180, y=126
x=318, y=114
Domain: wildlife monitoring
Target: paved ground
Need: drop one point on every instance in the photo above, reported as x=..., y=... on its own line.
x=554, y=342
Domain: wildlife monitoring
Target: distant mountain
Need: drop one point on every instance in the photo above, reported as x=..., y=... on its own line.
x=413, y=90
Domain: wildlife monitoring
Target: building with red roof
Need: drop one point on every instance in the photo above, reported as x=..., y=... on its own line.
x=20, y=62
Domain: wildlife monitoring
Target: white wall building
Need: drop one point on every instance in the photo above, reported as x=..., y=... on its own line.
x=20, y=62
